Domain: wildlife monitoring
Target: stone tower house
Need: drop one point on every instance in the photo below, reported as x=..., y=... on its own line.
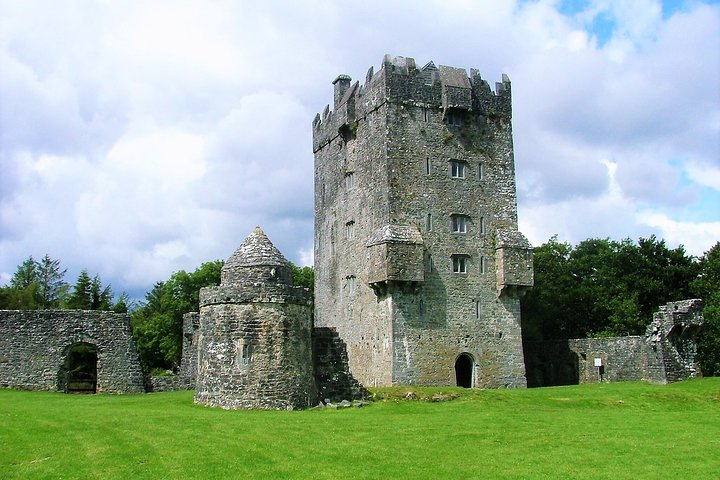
x=254, y=343
x=418, y=260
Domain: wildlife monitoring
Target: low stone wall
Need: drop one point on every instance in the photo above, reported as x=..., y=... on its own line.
x=34, y=346
x=167, y=383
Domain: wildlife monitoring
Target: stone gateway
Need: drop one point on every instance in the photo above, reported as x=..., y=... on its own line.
x=68, y=350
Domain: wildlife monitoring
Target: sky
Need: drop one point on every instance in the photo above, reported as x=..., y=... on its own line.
x=139, y=138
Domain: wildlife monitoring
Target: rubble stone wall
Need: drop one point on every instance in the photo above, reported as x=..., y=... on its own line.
x=34, y=346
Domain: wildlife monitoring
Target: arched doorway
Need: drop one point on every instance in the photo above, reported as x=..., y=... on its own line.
x=464, y=370
x=78, y=373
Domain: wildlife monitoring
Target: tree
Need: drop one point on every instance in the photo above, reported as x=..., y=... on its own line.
x=603, y=287
x=157, y=325
x=51, y=282
x=707, y=287
x=35, y=285
x=81, y=296
x=303, y=277
x=26, y=274
x=100, y=297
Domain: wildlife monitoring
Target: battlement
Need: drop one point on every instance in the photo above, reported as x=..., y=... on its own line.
x=400, y=81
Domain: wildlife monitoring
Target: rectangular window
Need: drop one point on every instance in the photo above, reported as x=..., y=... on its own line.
x=349, y=180
x=427, y=166
x=350, y=230
x=350, y=284
x=459, y=223
x=457, y=169
x=459, y=263
x=425, y=114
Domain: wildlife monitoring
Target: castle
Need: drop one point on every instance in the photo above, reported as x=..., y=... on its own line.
x=419, y=264
x=419, y=270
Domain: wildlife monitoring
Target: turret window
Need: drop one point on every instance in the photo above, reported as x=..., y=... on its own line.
x=243, y=353
x=460, y=223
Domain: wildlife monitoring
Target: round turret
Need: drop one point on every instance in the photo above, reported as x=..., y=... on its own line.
x=254, y=337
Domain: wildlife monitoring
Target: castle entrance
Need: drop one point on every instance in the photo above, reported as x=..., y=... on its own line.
x=78, y=373
x=464, y=370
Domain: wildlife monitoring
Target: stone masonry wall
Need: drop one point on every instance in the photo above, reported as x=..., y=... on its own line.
x=34, y=344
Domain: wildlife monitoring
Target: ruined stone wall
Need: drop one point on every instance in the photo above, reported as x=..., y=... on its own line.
x=403, y=312
x=34, y=345
x=188, y=362
x=666, y=353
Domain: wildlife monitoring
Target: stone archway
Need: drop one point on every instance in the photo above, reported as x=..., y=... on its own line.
x=464, y=370
x=78, y=373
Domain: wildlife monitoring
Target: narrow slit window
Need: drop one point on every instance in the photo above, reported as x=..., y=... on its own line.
x=481, y=171
x=481, y=225
x=483, y=267
x=429, y=266
x=425, y=114
x=477, y=309
x=351, y=284
x=350, y=230
x=427, y=166
x=428, y=222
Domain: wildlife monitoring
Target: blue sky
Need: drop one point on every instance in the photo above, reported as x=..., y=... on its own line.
x=140, y=138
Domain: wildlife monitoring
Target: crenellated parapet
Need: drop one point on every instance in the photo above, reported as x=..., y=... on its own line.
x=399, y=80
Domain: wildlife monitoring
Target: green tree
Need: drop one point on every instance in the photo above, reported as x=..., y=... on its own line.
x=157, y=325
x=707, y=287
x=81, y=296
x=51, y=282
x=35, y=285
x=101, y=297
x=26, y=274
x=303, y=276
x=603, y=287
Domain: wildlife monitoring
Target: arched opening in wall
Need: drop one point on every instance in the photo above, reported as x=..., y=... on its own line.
x=464, y=367
x=78, y=373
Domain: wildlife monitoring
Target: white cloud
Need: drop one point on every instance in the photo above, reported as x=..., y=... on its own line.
x=141, y=138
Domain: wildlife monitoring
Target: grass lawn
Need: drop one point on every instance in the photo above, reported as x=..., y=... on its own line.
x=613, y=431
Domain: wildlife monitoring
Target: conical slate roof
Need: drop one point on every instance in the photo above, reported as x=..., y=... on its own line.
x=256, y=260
x=256, y=250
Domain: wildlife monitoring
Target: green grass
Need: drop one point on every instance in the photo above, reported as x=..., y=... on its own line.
x=613, y=431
